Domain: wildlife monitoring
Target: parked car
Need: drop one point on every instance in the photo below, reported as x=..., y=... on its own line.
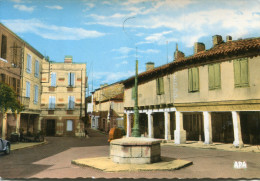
x=5, y=146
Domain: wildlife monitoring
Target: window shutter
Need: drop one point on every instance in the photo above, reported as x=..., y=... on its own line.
x=28, y=63
x=53, y=102
x=237, y=72
x=157, y=87
x=53, y=79
x=211, y=77
x=69, y=102
x=29, y=88
x=36, y=68
x=161, y=85
x=217, y=75
x=195, y=76
x=190, y=80
x=69, y=84
x=73, y=79
x=244, y=72
x=50, y=102
x=72, y=102
x=133, y=93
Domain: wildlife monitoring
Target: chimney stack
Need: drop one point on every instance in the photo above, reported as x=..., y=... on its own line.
x=178, y=54
x=68, y=59
x=198, y=47
x=149, y=66
x=228, y=38
x=217, y=39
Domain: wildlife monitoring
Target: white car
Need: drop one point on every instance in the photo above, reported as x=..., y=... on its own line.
x=5, y=146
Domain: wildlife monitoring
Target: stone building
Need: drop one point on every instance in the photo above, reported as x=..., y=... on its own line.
x=20, y=68
x=108, y=110
x=63, y=98
x=211, y=96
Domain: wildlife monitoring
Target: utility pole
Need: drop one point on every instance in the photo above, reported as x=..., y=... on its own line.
x=136, y=130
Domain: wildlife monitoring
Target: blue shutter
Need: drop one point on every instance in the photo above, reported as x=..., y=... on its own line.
x=28, y=63
x=36, y=74
x=73, y=79
x=69, y=102
x=27, y=89
x=26, y=93
x=53, y=79
x=72, y=102
x=53, y=102
x=36, y=94
x=50, y=101
x=69, y=79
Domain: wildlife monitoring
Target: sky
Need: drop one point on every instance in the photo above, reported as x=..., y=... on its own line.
x=109, y=35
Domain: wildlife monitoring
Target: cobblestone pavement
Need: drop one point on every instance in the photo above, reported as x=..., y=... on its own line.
x=53, y=160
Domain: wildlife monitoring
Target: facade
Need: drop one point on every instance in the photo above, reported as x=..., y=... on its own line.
x=63, y=98
x=211, y=96
x=18, y=69
x=108, y=110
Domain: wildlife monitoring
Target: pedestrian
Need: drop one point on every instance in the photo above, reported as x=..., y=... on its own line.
x=86, y=132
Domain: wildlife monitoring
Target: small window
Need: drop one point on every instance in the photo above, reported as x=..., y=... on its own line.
x=29, y=64
x=214, y=76
x=69, y=125
x=27, y=89
x=193, y=77
x=159, y=86
x=71, y=79
x=71, y=102
x=53, y=79
x=4, y=47
x=36, y=93
x=241, y=72
x=52, y=102
x=36, y=73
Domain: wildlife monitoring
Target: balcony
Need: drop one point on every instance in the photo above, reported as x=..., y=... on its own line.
x=25, y=101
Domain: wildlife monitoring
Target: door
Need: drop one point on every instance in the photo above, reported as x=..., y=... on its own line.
x=50, y=127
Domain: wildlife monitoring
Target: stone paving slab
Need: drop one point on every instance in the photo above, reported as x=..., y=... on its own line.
x=105, y=164
x=17, y=146
x=218, y=146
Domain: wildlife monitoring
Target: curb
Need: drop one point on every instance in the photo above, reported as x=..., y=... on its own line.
x=30, y=146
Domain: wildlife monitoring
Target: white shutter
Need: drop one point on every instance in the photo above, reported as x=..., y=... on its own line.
x=50, y=99
x=72, y=102
x=53, y=79
x=69, y=79
x=53, y=102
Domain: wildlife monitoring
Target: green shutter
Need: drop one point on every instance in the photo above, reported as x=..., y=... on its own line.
x=161, y=85
x=195, y=75
x=244, y=72
x=133, y=92
x=190, y=79
x=217, y=78
x=157, y=87
x=211, y=77
x=237, y=78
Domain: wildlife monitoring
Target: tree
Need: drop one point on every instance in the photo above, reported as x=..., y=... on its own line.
x=8, y=99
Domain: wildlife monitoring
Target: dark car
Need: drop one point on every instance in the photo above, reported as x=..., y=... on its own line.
x=5, y=146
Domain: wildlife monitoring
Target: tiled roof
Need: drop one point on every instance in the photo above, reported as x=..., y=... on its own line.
x=238, y=47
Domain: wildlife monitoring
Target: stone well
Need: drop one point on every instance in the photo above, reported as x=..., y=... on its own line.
x=135, y=150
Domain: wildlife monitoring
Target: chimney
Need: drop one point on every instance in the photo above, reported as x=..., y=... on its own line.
x=68, y=59
x=149, y=66
x=228, y=38
x=178, y=54
x=217, y=39
x=198, y=47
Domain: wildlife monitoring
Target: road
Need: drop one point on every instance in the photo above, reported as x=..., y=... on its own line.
x=53, y=160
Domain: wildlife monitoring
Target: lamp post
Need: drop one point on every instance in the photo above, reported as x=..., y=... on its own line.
x=136, y=130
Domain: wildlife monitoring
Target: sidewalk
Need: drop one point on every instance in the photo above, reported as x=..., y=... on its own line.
x=21, y=145
x=218, y=146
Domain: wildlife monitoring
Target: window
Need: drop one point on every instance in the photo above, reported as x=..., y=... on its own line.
x=159, y=86
x=71, y=79
x=71, y=102
x=133, y=93
x=36, y=90
x=52, y=102
x=27, y=89
x=36, y=70
x=53, y=79
x=29, y=64
x=193, y=79
x=3, y=47
x=69, y=125
x=241, y=72
x=214, y=76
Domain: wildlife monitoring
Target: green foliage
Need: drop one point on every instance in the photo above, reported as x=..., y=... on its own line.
x=8, y=99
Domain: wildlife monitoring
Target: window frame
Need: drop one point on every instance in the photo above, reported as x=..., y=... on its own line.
x=70, y=82
x=71, y=102
x=52, y=102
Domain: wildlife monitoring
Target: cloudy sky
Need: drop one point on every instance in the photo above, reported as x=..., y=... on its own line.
x=109, y=35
